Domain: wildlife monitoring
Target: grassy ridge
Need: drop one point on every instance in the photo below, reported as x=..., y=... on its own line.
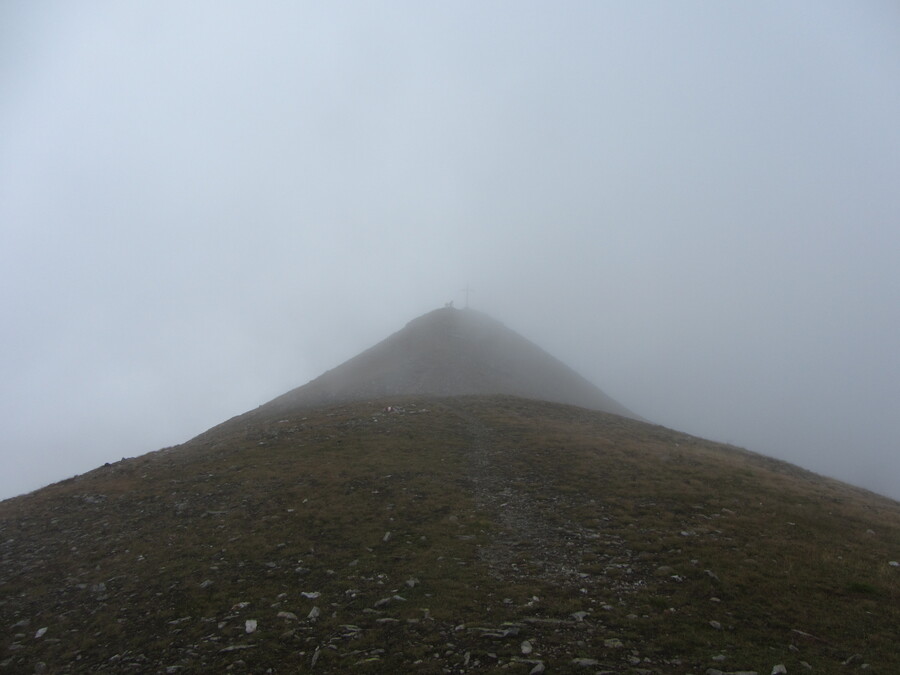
x=440, y=538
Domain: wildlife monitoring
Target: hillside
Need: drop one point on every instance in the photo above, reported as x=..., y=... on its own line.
x=451, y=535
x=438, y=504
x=452, y=352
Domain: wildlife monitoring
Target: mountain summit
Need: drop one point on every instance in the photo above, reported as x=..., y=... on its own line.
x=452, y=352
x=375, y=521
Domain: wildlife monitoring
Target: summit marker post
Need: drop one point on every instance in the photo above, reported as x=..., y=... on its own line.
x=467, y=290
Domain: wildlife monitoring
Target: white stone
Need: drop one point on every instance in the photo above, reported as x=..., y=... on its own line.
x=584, y=663
x=250, y=625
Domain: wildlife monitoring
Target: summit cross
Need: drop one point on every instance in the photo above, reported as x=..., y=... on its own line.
x=467, y=290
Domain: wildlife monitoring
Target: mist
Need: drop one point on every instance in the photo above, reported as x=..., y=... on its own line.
x=203, y=205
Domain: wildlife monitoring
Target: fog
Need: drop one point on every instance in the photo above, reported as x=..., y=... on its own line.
x=205, y=204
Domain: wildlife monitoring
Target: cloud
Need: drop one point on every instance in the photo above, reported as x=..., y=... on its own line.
x=204, y=206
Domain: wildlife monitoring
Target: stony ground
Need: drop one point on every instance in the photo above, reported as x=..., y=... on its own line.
x=457, y=535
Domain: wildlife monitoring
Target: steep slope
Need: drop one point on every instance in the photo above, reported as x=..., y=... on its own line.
x=449, y=352
x=453, y=535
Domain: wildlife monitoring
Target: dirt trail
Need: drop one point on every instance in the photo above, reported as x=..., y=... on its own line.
x=530, y=540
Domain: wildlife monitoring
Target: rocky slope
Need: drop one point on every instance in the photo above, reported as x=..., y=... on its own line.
x=448, y=535
x=453, y=500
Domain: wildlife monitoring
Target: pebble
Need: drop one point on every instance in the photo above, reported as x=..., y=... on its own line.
x=314, y=613
x=779, y=670
x=526, y=647
x=584, y=663
x=250, y=625
x=716, y=625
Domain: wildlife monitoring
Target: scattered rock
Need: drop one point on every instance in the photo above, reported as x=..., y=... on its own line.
x=526, y=647
x=538, y=669
x=250, y=625
x=314, y=613
x=894, y=563
x=585, y=663
x=234, y=648
x=289, y=616
x=40, y=633
x=716, y=625
x=613, y=643
x=779, y=670
x=312, y=595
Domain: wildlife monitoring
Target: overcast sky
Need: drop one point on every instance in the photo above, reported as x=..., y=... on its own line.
x=204, y=204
